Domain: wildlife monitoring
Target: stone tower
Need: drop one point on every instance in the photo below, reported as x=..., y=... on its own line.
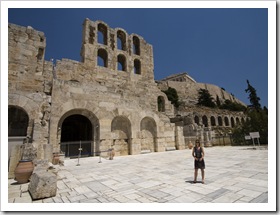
x=115, y=49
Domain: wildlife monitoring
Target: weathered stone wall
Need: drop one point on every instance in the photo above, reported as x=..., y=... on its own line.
x=121, y=105
x=30, y=80
x=108, y=100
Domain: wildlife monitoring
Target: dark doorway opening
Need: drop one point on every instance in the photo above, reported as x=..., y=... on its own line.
x=76, y=132
x=17, y=121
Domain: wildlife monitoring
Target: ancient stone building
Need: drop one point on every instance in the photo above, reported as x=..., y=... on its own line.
x=212, y=126
x=108, y=100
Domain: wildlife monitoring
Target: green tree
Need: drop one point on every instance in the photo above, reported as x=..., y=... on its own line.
x=254, y=99
x=257, y=119
x=232, y=106
x=205, y=98
x=172, y=96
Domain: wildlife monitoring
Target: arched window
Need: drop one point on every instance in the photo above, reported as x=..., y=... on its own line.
x=220, y=121
x=237, y=121
x=136, y=45
x=102, y=58
x=161, y=104
x=213, y=121
x=205, y=121
x=121, y=63
x=121, y=40
x=196, y=120
x=102, y=34
x=232, y=122
x=226, y=121
x=137, y=67
x=242, y=120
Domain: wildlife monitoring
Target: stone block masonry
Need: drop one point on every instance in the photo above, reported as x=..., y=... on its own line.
x=108, y=100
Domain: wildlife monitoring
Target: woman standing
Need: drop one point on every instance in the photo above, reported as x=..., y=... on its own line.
x=198, y=154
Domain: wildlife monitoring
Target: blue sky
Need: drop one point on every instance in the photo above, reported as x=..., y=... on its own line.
x=224, y=47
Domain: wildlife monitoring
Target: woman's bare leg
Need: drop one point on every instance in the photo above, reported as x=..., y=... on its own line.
x=202, y=174
x=195, y=174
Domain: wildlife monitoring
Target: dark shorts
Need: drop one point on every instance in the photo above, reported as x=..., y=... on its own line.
x=199, y=164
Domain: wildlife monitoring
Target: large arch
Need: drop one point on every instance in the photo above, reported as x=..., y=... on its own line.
x=121, y=129
x=148, y=130
x=79, y=128
x=18, y=121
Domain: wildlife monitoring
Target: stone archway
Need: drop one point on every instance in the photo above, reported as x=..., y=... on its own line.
x=121, y=130
x=205, y=121
x=79, y=128
x=232, y=122
x=17, y=121
x=148, y=134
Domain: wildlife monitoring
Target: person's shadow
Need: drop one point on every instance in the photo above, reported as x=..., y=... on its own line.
x=192, y=182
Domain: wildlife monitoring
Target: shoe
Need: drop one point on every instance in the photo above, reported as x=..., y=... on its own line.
x=202, y=182
x=194, y=182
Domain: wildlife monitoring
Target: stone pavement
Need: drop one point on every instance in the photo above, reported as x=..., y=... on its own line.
x=233, y=175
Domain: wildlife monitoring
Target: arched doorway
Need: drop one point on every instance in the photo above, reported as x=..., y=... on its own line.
x=76, y=132
x=148, y=134
x=17, y=121
x=121, y=129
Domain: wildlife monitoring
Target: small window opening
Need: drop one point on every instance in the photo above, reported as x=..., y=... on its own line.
x=136, y=45
x=161, y=104
x=102, y=34
x=137, y=67
x=102, y=58
x=40, y=54
x=121, y=63
x=121, y=40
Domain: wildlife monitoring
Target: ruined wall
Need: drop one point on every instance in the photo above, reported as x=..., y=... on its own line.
x=112, y=95
x=30, y=80
x=112, y=104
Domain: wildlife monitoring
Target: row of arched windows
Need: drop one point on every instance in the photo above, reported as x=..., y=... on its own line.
x=102, y=38
x=219, y=121
x=102, y=60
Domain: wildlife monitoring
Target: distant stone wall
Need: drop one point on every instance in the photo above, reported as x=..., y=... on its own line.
x=188, y=91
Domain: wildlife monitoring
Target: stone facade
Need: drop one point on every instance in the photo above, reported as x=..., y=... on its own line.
x=108, y=100
x=211, y=126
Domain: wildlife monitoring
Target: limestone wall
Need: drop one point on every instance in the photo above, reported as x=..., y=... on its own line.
x=114, y=105
x=30, y=80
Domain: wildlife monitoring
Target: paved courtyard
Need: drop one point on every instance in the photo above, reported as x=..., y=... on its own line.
x=233, y=175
